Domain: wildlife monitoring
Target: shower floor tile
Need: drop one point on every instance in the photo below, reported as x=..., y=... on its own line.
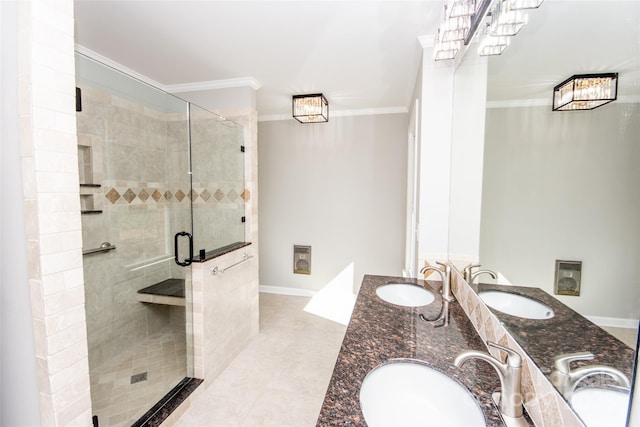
x=115, y=400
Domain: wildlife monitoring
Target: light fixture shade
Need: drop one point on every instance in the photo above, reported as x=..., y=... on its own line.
x=524, y=4
x=312, y=108
x=585, y=92
x=492, y=45
x=456, y=8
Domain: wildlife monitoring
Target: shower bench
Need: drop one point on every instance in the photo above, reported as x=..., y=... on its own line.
x=167, y=292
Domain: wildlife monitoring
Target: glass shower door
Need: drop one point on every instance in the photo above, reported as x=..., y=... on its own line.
x=218, y=190
x=134, y=163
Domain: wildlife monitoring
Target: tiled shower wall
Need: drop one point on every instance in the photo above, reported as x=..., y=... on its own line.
x=53, y=226
x=139, y=157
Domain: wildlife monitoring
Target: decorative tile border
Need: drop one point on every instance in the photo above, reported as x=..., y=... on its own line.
x=144, y=195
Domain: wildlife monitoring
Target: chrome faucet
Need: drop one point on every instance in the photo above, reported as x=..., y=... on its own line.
x=446, y=279
x=566, y=379
x=466, y=273
x=470, y=276
x=509, y=373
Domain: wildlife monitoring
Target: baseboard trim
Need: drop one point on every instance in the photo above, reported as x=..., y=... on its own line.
x=614, y=322
x=281, y=290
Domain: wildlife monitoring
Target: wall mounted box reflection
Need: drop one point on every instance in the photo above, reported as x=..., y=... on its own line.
x=567, y=278
x=301, y=259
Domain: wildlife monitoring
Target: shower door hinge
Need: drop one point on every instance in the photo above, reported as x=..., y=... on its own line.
x=78, y=99
x=242, y=148
x=243, y=219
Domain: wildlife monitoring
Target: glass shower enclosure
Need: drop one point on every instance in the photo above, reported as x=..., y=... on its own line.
x=158, y=178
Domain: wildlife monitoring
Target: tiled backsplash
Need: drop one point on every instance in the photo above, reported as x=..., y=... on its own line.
x=543, y=402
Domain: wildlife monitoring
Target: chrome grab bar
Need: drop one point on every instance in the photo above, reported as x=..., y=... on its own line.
x=104, y=247
x=245, y=257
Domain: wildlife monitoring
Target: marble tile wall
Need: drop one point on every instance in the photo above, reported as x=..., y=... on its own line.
x=542, y=401
x=132, y=147
x=50, y=183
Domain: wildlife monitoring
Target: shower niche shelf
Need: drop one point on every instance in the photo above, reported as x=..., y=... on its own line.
x=89, y=194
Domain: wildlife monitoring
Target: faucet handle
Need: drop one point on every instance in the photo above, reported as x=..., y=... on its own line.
x=466, y=272
x=561, y=363
x=514, y=359
x=444, y=264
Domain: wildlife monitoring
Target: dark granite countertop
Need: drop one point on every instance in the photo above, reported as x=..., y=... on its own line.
x=379, y=331
x=215, y=253
x=566, y=332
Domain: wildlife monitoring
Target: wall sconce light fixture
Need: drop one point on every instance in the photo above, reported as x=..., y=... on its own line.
x=585, y=92
x=312, y=108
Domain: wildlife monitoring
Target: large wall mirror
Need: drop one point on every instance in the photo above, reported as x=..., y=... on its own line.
x=560, y=185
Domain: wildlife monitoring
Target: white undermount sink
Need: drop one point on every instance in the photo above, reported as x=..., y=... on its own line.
x=406, y=392
x=516, y=305
x=601, y=407
x=405, y=294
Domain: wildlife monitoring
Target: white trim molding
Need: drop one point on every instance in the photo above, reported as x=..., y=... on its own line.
x=341, y=113
x=614, y=322
x=175, y=88
x=117, y=66
x=214, y=84
x=281, y=290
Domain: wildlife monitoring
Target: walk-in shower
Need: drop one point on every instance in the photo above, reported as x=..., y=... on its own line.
x=160, y=179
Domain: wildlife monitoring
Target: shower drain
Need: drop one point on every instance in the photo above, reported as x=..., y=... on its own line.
x=138, y=377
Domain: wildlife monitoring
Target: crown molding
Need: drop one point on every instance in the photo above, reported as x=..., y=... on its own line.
x=117, y=66
x=341, y=113
x=632, y=99
x=519, y=103
x=215, y=84
x=176, y=88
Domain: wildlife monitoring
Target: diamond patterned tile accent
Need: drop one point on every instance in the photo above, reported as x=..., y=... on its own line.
x=143, y=195
x=129, y=195
x=168, y=195
x=246, y=195
x=112, y=195
x=205, y=195
x=232, y=195
x=193, y=195
x=180, y=195
x=156, y=195
x=219, y=195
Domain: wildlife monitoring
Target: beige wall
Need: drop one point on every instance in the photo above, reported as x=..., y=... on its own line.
x=564, y=185
x=339, y=187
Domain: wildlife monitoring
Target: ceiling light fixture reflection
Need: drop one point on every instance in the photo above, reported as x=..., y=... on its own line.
x=458, y=8
x=524, y=4
x=492, y=45
x=585, y=92
x=506, y=21
x=444, y=50
x=459, y=25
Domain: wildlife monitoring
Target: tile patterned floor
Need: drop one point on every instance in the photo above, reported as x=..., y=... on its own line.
x=280, y=378
x=119, y=403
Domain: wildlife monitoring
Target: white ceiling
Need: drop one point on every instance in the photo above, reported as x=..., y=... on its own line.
x=362, y=54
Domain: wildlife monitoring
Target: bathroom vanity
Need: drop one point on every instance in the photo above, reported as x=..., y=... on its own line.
x=438, y=332
x=380, y=331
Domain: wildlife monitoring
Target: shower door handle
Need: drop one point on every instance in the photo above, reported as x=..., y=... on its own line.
x=187, y=261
